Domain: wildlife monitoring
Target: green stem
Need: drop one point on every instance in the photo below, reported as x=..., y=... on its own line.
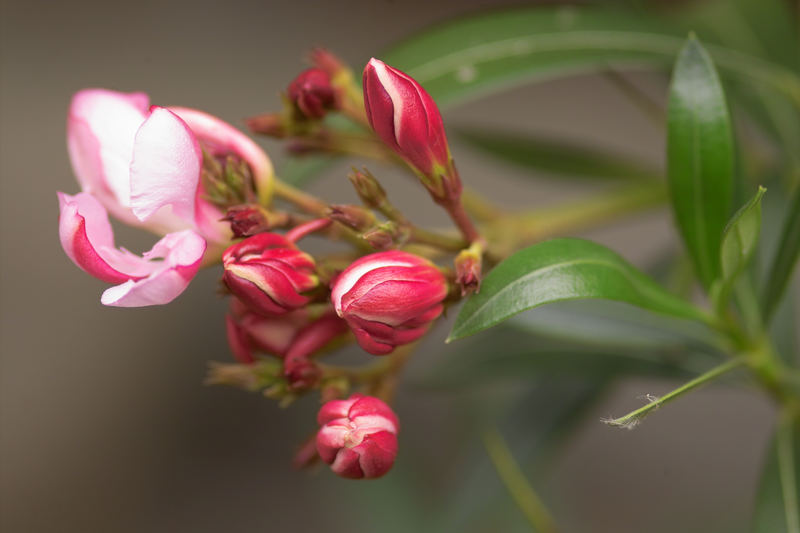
x=300, y=199
x=313, y=205
x=786, y=468
x=516, y=484
x=437, y=240
x=419, y=235
x=632, y=419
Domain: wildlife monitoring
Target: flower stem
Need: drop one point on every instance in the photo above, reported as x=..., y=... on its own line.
x=516, y=484
x=632, y=419
x=461, y=219
x=786, y=468
x=300, y=199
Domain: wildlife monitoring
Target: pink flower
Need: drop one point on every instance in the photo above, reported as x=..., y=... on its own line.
x=88, y=240
x=312, y=93
x=358, y=437
x=269, y=274
x=389, y=299
x=407, y=120
x=144, y=164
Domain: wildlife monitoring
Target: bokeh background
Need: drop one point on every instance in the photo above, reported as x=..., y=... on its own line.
x=105, y=423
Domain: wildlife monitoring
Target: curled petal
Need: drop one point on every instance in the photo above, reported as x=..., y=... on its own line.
x=87, y=239
x=165, y=169
x=180, y=254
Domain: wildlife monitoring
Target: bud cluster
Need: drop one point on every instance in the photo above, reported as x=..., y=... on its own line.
x=209, y=191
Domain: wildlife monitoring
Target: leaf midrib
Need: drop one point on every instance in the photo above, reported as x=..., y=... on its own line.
x=537, y=272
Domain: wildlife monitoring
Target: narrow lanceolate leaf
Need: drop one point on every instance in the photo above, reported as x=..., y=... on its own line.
x=559, y=270
x=778, y=500
x=785, y=258
x=555, y=157
x=738, y=244
x=741, y=237
x=699, y=157
x=476, y=55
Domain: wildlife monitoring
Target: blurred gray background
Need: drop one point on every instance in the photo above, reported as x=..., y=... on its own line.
x=105, y=423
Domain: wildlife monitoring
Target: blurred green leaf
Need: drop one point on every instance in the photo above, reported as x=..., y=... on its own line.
x=739, y=242
x=741, y=237
x=699, y=157
x=476, y=55
x=778, y=497
x=558, y=270
x=785, y=258
x=614, y=326
x=556, y=157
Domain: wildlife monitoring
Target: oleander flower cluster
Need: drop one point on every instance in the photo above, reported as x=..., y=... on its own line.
x=210, y=195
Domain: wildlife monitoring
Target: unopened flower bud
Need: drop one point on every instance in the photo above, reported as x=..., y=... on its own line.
x=249, y=332
x=326, y=61
x=389, y=299
x=269, y=274
x=468, y=271
x=312, y=93
x=387, y=235
x=352, y=216
x=368, y=188
x=247, y=220
x=271, y=124
x=407, y=120
x=299, y=370
x=358, y=436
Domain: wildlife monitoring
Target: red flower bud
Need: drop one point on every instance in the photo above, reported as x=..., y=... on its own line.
x=406, y=118
x=312, y=93
x=249, y=332
x=468, y=271
x=298, y=368
x=327, y=62
x=389, y=299
x=268, y=273
x=358, y=437
x=247, y=220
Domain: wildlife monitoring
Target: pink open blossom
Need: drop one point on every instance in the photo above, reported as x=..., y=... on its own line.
x=143, y=164
x=157, y=277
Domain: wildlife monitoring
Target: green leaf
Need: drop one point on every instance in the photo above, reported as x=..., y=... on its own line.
x=699, y=157
x=555, y=157
x=614, y=326
x=741, y=237
x=558, y=270
x=480, y=54
x=778, y=497
x=739, y=242
x=785, y=258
